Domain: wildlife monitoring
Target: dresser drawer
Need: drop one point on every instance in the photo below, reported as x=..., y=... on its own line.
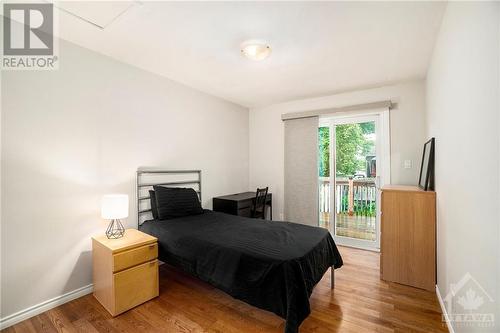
x=135, y=286
x=136, y=256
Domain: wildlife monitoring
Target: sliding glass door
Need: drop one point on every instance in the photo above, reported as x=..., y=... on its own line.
x=349, y=170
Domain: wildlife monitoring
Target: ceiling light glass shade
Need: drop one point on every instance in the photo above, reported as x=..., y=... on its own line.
x=255, y=50
x=114, y=206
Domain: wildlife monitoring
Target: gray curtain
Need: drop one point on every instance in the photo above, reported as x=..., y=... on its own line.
x=301, y=170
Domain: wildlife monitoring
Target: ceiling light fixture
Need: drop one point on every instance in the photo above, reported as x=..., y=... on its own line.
x=255, y=50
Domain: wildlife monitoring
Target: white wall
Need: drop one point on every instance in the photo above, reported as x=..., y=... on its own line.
x=72, y=135
x=407, y=133
x=498, y=248
x=463, y=115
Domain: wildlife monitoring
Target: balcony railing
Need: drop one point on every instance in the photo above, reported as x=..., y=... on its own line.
x=352, y=196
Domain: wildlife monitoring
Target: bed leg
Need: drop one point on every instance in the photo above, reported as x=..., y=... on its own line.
x=332, y=283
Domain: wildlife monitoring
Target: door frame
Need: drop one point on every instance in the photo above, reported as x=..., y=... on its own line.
x=383, y=165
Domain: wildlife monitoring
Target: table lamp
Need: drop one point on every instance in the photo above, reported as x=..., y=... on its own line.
x=114, y=207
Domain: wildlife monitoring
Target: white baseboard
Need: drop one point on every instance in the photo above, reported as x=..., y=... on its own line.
x=44, y=306
x=443, y=309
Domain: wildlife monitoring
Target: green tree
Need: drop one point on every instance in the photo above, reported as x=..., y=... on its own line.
x=350, y=141
x=353, y=144
x=324, y=151
x=368, y=127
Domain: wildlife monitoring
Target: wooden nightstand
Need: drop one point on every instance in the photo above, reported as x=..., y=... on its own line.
x=125, y=270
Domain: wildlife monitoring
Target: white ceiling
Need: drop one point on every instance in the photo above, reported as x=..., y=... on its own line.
x=318, y=48
x=101, y=13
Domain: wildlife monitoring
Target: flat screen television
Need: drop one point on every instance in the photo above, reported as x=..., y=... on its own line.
x=426, y=178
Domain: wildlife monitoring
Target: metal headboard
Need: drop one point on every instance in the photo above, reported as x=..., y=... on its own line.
x=142, y=173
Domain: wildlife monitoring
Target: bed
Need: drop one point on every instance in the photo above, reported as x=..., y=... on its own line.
x=271, y=265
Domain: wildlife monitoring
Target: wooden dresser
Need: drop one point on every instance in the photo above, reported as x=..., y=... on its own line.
x=408, y=236
x=125, y=270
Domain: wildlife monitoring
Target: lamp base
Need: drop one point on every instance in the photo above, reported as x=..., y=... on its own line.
x=115, y=229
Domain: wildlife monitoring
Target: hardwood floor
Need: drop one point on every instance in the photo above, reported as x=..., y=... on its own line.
x=360, y=302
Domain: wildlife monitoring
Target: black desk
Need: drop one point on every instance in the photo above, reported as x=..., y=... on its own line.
x=239, y=204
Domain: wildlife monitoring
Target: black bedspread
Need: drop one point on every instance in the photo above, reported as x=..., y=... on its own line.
x=271, y=265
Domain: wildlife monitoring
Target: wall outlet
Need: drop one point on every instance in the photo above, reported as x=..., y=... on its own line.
x=407, y=164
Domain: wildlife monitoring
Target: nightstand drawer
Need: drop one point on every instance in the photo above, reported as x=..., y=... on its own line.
x=135, y=286
x=139, y=255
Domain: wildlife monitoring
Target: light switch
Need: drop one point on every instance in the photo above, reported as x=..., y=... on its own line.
x=407, y=164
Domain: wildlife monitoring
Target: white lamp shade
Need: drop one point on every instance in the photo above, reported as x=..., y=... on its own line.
x=114, y=206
